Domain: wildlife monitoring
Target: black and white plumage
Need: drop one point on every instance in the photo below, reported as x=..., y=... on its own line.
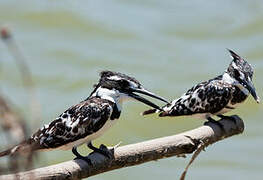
x=89, y=119
x=215, y=96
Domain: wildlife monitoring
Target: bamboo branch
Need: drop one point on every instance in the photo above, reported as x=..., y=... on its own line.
x=134, y=154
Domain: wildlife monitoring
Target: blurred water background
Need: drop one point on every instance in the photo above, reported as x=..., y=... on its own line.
x=167, y=45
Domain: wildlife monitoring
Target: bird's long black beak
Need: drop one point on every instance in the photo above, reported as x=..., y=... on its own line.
x=143, y=100
x=148, y=93
x=249, y=85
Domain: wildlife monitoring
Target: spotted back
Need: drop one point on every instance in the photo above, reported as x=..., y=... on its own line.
x=206, y=97
x=75, y=123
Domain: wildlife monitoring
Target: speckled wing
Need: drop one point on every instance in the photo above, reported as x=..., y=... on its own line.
x=77, y=122
x=206, y=97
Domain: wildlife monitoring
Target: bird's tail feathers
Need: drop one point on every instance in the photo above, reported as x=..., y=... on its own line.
x=150, y=111
x=26, y=147
x=164, y=113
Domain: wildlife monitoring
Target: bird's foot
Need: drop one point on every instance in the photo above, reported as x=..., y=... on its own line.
x=106, y=151
x=211, y=120
x=102, y=150
x=112, y=149
x=79, y=156
x=86, y=159
x=231, y=118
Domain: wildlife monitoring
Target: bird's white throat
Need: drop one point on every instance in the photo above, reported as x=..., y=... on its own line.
x=112, y=95
x=230, y=80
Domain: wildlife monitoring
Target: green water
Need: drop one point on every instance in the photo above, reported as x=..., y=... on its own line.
x=167, y=45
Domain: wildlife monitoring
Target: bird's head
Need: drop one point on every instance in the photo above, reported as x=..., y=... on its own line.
x=119, y=87
x=241, y=73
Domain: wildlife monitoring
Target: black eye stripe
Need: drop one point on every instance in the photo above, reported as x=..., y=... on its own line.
x=236, y=72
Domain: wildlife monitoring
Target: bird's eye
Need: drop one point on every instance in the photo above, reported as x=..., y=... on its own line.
x=123, y=83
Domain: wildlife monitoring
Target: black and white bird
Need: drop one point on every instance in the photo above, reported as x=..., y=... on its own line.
x=86, y=121
x=215, y=96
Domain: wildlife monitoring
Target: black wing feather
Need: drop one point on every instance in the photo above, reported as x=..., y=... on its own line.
x=75, y=123
x=206, y=97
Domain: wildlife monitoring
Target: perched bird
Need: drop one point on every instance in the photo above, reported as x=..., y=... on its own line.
x=86, y=121
x=215, y=96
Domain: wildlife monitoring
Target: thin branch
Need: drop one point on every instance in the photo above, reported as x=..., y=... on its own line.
x=26, y=75
x=12, y=122
x=134, y=154
x=18, y=56
x=16, y=130
x=200, y=147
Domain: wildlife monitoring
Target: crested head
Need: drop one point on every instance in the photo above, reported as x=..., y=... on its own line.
x=117, y=81
x=118, y=87
x=239, y=68
x=240, y=74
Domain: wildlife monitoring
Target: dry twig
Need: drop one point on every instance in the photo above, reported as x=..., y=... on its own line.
x=134, y=154
x=26, y=75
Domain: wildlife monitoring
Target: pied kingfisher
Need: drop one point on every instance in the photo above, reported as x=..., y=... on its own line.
x=215, y=96
x=86, y=121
